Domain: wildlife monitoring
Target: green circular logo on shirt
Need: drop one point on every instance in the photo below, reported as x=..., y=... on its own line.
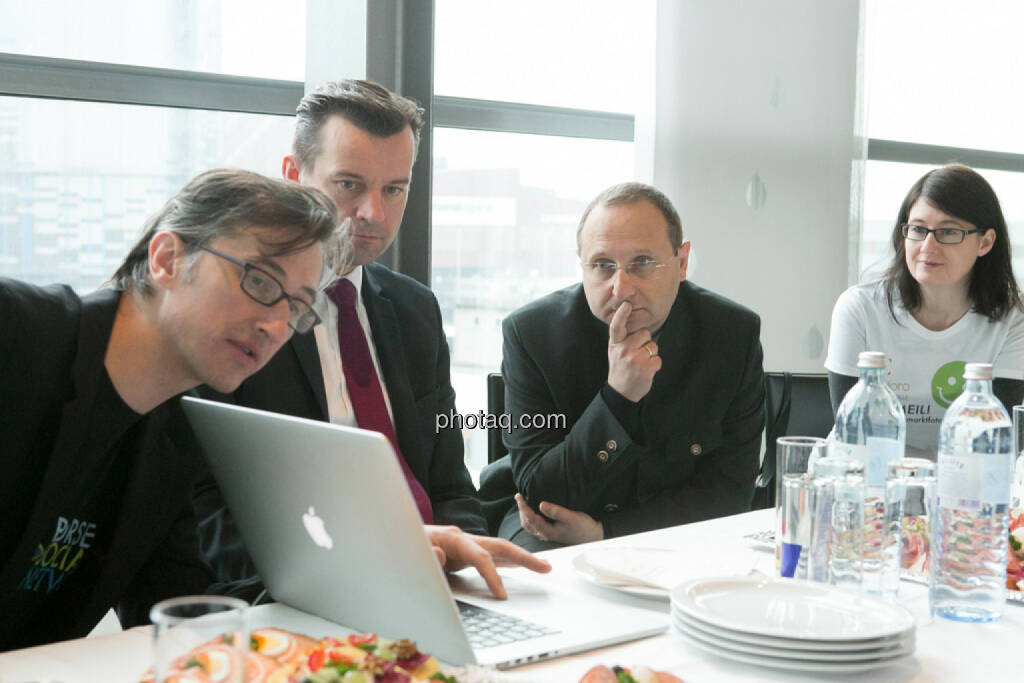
x=948, y=382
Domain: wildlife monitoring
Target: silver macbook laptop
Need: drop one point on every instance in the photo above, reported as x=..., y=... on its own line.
x=329, y=521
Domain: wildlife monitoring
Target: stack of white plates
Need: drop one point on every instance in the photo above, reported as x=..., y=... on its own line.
x=792, y=625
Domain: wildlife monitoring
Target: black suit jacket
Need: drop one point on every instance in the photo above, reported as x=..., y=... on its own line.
x=702, y=418
x=51, y=361
x=406, y=324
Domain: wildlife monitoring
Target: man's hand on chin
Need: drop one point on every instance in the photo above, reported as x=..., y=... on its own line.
x=566, y=526
x=633, y=358
x=455, y=550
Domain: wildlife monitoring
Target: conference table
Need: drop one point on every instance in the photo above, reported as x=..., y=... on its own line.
x=945, y=650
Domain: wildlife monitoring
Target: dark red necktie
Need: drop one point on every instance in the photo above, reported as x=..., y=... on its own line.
x=364, y=387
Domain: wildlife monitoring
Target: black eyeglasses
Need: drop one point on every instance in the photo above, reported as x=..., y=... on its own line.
x=919, y=233
x=642, y=268
x=264, y=288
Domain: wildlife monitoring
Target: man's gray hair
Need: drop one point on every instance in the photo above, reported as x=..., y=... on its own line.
x=365, y=104
x=631, y=193
x=229, y=202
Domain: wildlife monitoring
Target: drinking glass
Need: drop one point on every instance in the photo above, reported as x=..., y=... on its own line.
x=837, y=526
x=1017, y=487
x=910, y=488
x=217, y=625
x=794, y=455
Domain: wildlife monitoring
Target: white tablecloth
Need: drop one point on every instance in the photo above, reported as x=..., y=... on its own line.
x=946, y=651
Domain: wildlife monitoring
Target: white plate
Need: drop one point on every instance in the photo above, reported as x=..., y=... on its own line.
x=694, y=630
x=584, y=569
x=794, y=664
x=790, y=609
x=905, y=641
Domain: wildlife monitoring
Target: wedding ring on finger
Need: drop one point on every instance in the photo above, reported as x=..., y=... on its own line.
x=651, y=352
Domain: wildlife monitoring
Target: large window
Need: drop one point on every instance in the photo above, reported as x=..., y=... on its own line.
x=533, y=115
x=261, y=38
x=79, y=178
x=943, y=83
x=582, y=54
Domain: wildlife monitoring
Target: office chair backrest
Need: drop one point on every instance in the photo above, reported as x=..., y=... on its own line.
x=810, y=409
x=795, y=404
x=495, y=406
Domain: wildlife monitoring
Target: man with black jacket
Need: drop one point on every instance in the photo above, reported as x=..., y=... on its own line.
x=659, y=382
x=95, y=450
x=380, y=361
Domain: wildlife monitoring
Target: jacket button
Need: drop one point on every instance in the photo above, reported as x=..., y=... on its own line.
x=695, y=449
x=611, y=445
x=602, y=456
x=611, y=507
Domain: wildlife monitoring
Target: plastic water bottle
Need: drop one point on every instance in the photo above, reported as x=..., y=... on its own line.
x=969, y=547
x=872, y=429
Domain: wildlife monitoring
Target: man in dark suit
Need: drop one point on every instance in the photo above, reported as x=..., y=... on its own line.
x=96, y=452
x=659, y=382
x=380, y=361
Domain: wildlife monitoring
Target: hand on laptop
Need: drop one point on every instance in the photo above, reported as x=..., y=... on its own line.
x=455, y=550
x=567, y=526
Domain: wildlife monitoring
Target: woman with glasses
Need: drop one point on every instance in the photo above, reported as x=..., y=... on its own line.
x=949, y=296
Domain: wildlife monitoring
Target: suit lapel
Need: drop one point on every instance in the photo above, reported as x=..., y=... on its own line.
x=157, y=464
x=677, y=344
x=97, y=319
x=579, y=343
x=387, y=340
x=304, y=346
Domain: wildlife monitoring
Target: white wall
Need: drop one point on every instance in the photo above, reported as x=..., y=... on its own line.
x=766, y=88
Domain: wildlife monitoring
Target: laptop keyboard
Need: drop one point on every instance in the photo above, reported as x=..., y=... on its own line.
x=486, y=628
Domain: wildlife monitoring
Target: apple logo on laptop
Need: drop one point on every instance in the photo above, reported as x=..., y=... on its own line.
x=315, y=528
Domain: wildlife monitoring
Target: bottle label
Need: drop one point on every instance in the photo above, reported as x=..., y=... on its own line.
x=880, y=453
x=858, y=452
x=993, y=418
x=967, y=481
x=875, y=455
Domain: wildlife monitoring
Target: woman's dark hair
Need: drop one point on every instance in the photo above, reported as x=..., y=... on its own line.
x=962, y=193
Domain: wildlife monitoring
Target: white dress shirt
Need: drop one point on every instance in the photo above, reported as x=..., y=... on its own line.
x=339, y=405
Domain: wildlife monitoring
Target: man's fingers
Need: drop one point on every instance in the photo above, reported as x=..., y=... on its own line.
x=617, y=327
x=482, y=562
x=555, y=512
x=439, y=553
x=507, y=554
x=532, y=522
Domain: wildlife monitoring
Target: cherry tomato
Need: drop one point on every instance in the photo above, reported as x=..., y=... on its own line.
x=357, y=639
x=316, y=660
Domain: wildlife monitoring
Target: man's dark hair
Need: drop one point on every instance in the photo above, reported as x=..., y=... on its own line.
x=962, y=193
x=228, y=202
x=365, y=104
x=631, y=193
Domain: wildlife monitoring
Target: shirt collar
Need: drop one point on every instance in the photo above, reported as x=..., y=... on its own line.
x=355, y=276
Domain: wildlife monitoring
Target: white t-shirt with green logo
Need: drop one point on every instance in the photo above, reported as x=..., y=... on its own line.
x=925, y=368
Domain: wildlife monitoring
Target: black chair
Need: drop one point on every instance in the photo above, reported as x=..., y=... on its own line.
x=497, y=487
x=795, y=404
x=495, y=406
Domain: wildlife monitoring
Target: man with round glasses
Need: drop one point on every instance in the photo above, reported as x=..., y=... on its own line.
x=97, y=457
x=660, y=382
